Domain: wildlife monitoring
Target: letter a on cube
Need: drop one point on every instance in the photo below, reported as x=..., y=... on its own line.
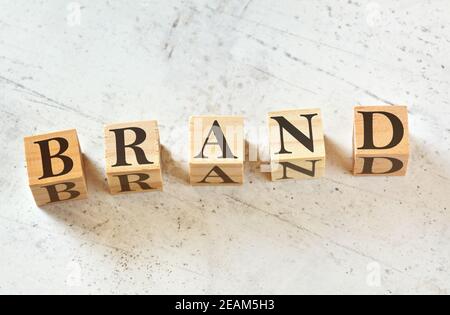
x=133, y=157
x=381, y=141
x=297, y=145
x=217, y=150
x=55, y=167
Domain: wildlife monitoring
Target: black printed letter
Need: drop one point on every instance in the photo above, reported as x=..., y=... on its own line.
x=397, y=165
x=221, y=141
x=311, y=173
x=121, y=146
x=297, y=134
x=220, y=174
x=54, y=193
x=47, y=157
x=398, y=131
x=125, y=183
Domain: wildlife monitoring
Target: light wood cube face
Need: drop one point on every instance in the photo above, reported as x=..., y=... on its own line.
x=297, y=144
x=133, y=157
x=55, y=167
x=381, y=141
x=217, y=150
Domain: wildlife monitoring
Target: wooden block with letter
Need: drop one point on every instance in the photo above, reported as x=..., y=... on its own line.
x=381, y=141
x=297, y=145
x=55, y=167
x=133, y=157
x=217, y=150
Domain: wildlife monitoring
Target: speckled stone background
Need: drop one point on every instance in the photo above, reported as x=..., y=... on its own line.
x=83, y=64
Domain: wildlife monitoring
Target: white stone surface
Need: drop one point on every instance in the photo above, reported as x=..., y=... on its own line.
x=166, y=60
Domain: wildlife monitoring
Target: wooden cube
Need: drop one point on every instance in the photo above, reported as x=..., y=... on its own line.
x=133, y=157
x=381, y=141
x=55, y=167
x=297, y=145
x=217, y=150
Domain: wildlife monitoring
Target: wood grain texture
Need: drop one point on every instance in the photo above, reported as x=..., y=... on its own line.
x=134, y=169
x=308, y=122
x=383, y=132
x=35, y=166
x=168, y=60
x=216, y=142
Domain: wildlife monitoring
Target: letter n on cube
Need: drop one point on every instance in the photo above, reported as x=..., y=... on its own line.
x=297, y=144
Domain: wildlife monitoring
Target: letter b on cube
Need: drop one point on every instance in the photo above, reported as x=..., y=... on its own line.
x=55, y=167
